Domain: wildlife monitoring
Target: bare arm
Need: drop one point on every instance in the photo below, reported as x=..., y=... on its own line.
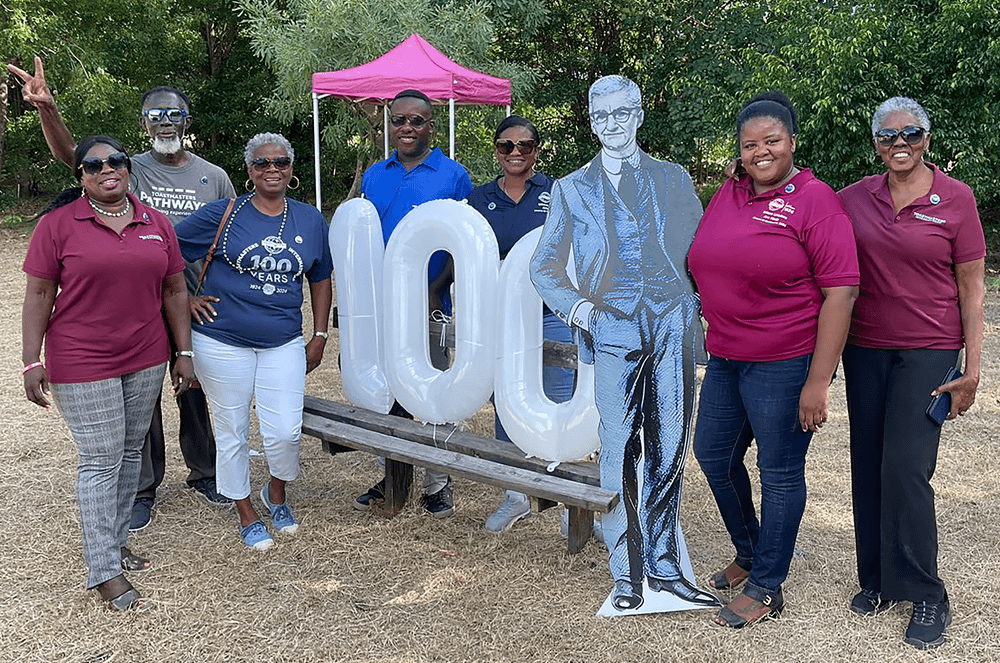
x=175, y=304
x=834, y=321
x=39, y=296
x=971, y=293
x=37, y=93
x=321, y=295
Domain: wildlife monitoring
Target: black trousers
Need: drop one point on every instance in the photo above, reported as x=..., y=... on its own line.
x=894, y=447
x=196, y=438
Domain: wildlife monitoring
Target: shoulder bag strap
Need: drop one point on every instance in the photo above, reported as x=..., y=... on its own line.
x=211, y=249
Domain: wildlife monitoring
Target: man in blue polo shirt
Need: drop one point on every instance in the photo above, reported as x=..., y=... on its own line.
x=415, y=174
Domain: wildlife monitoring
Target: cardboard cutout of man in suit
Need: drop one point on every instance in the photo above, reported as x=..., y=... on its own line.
x=629, y=220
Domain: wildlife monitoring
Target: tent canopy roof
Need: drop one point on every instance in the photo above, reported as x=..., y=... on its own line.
x=413, y=64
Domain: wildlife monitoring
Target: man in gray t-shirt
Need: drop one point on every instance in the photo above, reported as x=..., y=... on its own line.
x=176, y=182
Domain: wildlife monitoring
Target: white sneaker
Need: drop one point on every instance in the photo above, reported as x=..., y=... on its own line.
x=514, y=507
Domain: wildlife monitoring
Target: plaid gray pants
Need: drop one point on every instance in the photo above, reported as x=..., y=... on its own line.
x=108, y=420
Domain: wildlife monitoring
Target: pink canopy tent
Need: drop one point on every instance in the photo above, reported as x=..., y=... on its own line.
x=413, y=64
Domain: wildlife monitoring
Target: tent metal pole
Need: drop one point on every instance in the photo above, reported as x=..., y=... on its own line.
x=451, y=128
x=508, y=110
x=319, y=200
x=385, y=129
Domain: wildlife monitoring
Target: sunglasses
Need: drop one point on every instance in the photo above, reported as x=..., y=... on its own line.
x=507, y=146
x=911, y=135
x=158, y=115
x=622, y=114
x=93, y=165
x=262, y=164
x=415, y=120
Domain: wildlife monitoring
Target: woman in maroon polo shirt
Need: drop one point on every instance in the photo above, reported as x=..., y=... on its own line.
x=921, y=251
x=100, y=267
x=776, y=267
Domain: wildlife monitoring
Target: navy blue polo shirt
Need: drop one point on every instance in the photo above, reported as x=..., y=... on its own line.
x=511, y=221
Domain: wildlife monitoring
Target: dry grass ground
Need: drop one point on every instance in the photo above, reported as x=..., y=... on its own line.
x=355, y=587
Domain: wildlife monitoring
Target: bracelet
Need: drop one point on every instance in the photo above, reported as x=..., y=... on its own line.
x=31, y=366
x=322, y=334
x=185, y=353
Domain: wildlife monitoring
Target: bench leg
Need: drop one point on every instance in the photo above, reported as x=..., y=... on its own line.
x=542, y=504
x=398, y=477
x=581, y=528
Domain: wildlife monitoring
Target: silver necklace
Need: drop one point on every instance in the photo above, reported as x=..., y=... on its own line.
x=113, y=215
x=273, y=244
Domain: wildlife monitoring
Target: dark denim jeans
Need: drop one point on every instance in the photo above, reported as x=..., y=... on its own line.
x=743, y=401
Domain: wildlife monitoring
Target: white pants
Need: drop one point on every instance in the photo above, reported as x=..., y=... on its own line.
x=232, y=376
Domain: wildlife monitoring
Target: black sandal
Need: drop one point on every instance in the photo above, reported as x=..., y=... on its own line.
x=134, y=563
x=128, y=600
x=730, y=577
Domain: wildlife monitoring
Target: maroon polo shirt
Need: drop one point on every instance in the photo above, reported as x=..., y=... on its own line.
x=909, y=295
x=760, y=260
x=106, y=321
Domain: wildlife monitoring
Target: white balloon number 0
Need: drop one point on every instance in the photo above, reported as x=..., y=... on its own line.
x=498, y=331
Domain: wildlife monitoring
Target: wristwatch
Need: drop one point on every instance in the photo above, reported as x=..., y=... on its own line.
x=322, y=334
x=185, y=353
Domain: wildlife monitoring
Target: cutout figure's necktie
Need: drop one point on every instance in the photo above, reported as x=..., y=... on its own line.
x=628, y=186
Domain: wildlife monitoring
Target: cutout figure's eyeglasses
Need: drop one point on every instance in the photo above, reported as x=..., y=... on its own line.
x=523, y=146
x=158, y=115
x=93, y=165
x=623, y=114
x=911, y=135
x=415, y=121
x=281, y=163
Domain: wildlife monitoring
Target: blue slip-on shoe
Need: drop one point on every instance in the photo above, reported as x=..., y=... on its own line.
x=255, y=536
x=281, y=515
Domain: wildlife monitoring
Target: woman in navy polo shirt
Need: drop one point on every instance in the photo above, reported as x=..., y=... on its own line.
x=776, y=266
x=100, y=268
x=922, y=256
x=514, y=204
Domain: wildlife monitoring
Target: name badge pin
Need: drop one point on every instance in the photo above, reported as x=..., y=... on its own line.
x=298, y=239
x=789, y=188
x=491, y=206
x=935, y=199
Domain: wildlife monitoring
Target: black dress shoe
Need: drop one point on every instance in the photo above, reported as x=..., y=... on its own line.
x=626, y=596
x=683, y=590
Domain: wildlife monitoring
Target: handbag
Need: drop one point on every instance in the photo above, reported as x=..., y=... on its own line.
x=211, y=249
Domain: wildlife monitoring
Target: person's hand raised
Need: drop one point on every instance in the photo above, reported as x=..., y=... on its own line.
x=35, y=90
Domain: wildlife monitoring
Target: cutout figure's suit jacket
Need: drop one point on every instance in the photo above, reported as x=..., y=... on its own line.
x=628, y=258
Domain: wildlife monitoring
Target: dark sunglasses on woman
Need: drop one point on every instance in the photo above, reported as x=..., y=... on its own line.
x=93, y=165
x=262, y=164
x=507, y=146
x=911, y=135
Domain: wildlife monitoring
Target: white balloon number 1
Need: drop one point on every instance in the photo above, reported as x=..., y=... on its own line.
x=498, y=328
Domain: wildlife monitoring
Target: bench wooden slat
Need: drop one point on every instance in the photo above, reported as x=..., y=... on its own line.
x=531, y=482
x=466, y=443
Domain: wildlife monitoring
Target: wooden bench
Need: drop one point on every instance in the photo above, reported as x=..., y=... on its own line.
x=404, y=443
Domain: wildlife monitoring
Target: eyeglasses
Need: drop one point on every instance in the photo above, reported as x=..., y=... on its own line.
x=415, y=120
x=911, y=135
x=93, y=165
x=622, y=114
x=262, y=164
x=507, y=146
x=158, y=115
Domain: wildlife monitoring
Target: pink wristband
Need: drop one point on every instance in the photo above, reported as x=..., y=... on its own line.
x=31, y=366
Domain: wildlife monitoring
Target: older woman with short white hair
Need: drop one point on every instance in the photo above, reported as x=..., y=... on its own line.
x=247, y=339
x=921, y=252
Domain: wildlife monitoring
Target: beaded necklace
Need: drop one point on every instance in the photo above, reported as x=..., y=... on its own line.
x=113, y=215
x=273, y=244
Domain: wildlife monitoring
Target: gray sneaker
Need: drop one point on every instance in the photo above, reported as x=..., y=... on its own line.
x=514, y=507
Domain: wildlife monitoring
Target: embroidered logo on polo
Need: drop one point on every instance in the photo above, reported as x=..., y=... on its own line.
x=156, y=237
x=932, y=219
x=543, y=202
x=777, y=213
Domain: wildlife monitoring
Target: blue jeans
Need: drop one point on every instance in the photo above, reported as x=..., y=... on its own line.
x=557, y=382
x=742, y=401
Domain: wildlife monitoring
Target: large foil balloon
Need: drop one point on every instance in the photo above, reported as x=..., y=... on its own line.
x=357, y=248
x=538, y=426
x=458, y=393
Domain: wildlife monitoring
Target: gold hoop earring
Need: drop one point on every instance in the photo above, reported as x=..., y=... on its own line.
x=297, y=182
x=249, y=186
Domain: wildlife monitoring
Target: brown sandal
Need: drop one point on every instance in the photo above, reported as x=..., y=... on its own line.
x=730, y=577
x=132, y=562
x=745, y=610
